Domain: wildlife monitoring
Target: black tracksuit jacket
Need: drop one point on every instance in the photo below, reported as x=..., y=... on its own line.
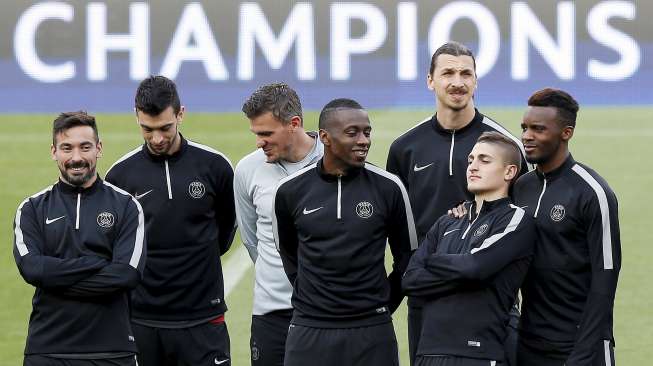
x=331, y=232
x=83, y=250
x=570, y=288
x=467, y=272
x=190, y=222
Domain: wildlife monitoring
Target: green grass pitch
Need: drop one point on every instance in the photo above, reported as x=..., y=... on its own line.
x=614, y=141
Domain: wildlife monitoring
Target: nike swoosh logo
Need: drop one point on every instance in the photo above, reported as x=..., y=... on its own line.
x=220, y=362
x=139, y=196
x=306, y=212
x=418, y=168
x=48, y=221
x=449, y=232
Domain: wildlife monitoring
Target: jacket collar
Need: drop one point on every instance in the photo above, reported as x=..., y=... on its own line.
x=478, y=118
x=70, y=189
x=351, y=173
x=178, y=154
x=555, y=173
x=488, y=206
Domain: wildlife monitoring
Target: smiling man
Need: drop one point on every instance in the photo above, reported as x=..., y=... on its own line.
x=186, y=190
x=283, y=147
x=431, y=158
x=570, y=289
x=468, y=270
x=331, y=224
x=80, y=242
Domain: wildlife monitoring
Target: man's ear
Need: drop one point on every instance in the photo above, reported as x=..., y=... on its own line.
x=295, y=122
x=324, y=137
x=53, y=149
x=429, y=82
x=510, y=173
x=180, y=115
x=99, y=149
x=567, y=133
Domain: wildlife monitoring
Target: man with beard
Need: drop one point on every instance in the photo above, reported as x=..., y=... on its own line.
x=468, y=270
x=331, y=224
x=80, y=242
x=283, y=148
x=570, y=289
x=431, y=158
x=186, y=192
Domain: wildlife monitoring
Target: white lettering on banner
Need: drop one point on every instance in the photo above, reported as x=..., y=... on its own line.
x=136, y=42
x=298, y=29
x=599, y=29
x=25, y=42
x=194, y=40
x=526, y=29
x=342, y=46
x=485, y=22
x=194, y=26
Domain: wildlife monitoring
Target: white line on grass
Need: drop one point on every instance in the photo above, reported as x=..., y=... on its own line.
x=235, y=268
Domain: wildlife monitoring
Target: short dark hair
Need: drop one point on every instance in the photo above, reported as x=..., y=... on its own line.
x=155, y=94
x=564, y=103
x=512, y=151
x=334, y=105
x=452, y=48
x=68, y=120
x=278, y=98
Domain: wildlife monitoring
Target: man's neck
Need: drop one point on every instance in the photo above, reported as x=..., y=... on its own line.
x=555, y=162
x=455, y=119
x=488, y=197
x=334, y=166
x=86, y=184
x=302, y=145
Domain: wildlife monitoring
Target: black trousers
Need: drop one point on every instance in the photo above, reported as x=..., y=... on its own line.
x=453, y=361
x=268, y=340
x=414, y=330
x=529, y=356
x=204, y=344
x=38, y=360
x=374, y=345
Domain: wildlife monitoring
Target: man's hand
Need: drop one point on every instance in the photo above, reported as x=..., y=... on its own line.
x=458, y=211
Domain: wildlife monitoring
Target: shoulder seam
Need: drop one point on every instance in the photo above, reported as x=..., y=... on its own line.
x=125, y=157
x=211, y=150
x=414, y=127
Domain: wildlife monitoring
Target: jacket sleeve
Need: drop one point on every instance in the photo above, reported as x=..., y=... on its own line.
x=604, y=244
x=41, y=270
x=402, y=239
x=418, y=281
x=225, y=209
x=245, y=212
x=506, y=243
x=127, y=264
x=285, y=234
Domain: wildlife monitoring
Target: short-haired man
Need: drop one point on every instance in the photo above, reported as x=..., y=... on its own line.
x=468, y=270
x=186, y=190
x=80, y=242
x=431, y=158
x=332, y=220
x=283, y=147
x=570, y=289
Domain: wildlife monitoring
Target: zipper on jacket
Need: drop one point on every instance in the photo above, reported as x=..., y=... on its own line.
x=168, y=181
x=470, y=225
x=453, y=134
x=339, y=196
x=79, y=199
x=537, y=209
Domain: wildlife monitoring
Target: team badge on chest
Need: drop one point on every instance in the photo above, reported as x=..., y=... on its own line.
x=105, y=219
x=364, y=209
x=196, y=189
x=481, y=230
x=558, y=213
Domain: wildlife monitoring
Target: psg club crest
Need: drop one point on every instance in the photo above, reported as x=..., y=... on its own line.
x=481, y=230
x=196, y=189
x=105, y=219
x=364, y=209
x=558, y=213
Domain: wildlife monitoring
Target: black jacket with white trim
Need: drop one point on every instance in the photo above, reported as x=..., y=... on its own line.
x=431, y=161
x=190, y=222
x=467, y=273
x=569, y=292
x=331, y=232
x=83, y=250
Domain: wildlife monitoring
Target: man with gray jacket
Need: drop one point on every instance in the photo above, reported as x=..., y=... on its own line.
x=283, y=147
